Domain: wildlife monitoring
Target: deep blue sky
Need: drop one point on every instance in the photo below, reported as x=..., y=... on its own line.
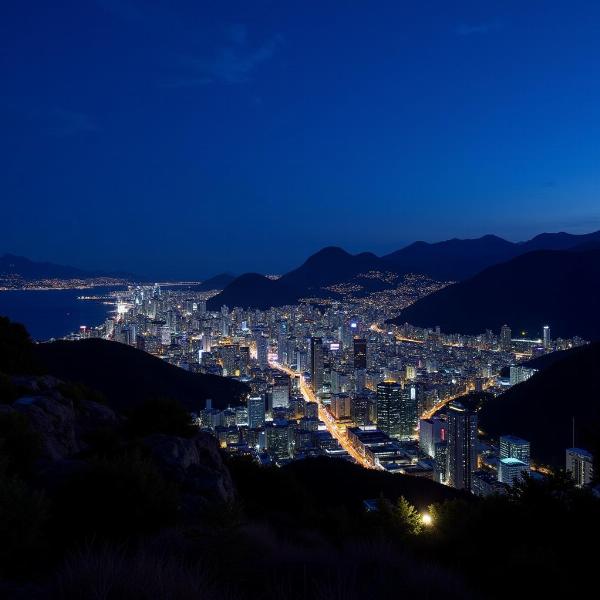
x=191, y=137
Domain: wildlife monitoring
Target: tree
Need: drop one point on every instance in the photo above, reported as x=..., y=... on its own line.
x=16, y=349
x=408, y=516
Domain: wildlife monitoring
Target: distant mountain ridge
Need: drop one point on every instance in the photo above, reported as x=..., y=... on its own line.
x=11, y=264
x=217, y=282
x=451, y=260
x=456, y=259
x=324, y=268
x=560, y=288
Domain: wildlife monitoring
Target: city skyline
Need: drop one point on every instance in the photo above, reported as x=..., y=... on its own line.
x=366, y=129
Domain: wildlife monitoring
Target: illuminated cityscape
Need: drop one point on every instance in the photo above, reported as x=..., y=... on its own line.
x=333, y=379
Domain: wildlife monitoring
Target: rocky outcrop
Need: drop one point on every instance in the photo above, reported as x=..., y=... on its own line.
x=54, y=421
x=194, y=462
x=62, y=424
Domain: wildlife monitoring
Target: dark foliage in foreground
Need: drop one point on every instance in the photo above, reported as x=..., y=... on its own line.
x=16, y=350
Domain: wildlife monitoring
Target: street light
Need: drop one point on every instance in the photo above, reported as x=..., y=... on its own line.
x=427, y=519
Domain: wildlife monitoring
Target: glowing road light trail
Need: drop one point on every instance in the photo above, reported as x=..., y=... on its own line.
x=326, y=418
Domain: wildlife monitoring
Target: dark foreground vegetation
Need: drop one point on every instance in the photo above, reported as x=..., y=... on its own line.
x=98, y=503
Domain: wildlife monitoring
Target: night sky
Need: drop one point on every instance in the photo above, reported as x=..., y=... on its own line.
x=186, y=138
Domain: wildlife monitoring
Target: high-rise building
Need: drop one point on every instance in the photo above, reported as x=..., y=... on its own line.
x=281, y=391
x=518, y=374
x=546, y=337
x=514, y=447
x=580, y=464
x=440, y=458
x=360, y=353
x=278, y=439
x=311, y=410
x=360, y=409
x=341, y=406
x=256, y=412
x=462, y=443
x=165, y=335
x=262, y=351
x=505, y=338
x=316, y=364
x=360, y=376
x=409, y=414
x=389, y=408
x=431, y=431
x=510, y=470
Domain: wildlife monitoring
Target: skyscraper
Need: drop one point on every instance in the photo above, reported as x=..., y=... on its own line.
x=281, y=391
x=505, y=338
x=389, y=408
x=408, y=412
x=519, y=373
x=547, y=339
x=256, y=412
x=510, y=470
x=579, y=463
x=360, y=353
x=431, y=431
x=316, y=364
x=278, y=439
x=262, y=351
x=440, y=465
x=360, y=409
x=514, y=447
x=462, y=443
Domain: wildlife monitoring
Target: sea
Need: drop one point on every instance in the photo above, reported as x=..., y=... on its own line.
x=51, y=314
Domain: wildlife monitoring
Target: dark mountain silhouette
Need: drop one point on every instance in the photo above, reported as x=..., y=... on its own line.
x=218, y=282
x=456, y=259
x=558, y=288
x=254, y=291
x=11, y=264
x=541, y=409
x=542, y=362
x=328, y=266
x=331, y=265
x=559, y=241
x=451, y=260
x=128, y=377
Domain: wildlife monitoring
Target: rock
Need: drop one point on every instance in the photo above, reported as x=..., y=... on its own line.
x=61, y=425
x=35, y=384
x=92, y=416
x=54, y=421
x=55, y=474
x=193, y=462
x=6, y=409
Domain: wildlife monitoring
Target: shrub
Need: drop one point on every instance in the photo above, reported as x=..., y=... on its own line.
x=23, y=515
x=19, y=445
x=16, y=349
x=161, y=415
x=115, y=498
